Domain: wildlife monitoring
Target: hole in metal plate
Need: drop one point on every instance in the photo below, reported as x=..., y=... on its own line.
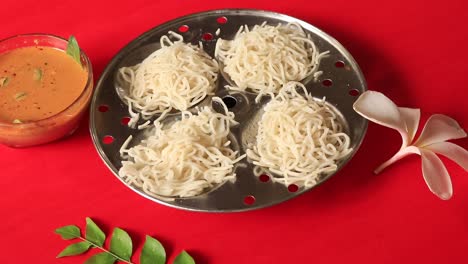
x=327, y=82
x=183, y=28
x=103, y=108
x=339, y=64
x=249, y=200
x=222, y=20
x=108, y=139
x=229, y=101
x=264, y=178
x=354, y=92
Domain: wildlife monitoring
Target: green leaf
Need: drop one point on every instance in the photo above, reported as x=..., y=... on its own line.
x=153, y=252
x=94, y=233
x=101, y=258
x=20, y=96
x=184, y=258
x=37, y=74
x=68, y=232
x=73, y=49
x=4, y=81
x=121, y=244
x=75, y=249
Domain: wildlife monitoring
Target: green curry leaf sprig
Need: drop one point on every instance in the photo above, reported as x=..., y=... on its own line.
x=73, y=49
x=120, y=248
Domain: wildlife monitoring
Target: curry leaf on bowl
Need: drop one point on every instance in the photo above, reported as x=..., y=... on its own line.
x=20, y=96
x=73, y=49
x=4, y=81
x=37, y=74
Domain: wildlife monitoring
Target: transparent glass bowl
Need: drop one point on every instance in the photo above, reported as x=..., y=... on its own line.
x=61, y=124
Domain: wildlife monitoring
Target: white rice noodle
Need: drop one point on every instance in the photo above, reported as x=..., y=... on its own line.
x=185, y=158
x=176, y=76
x=298, y=138
x=264, y=58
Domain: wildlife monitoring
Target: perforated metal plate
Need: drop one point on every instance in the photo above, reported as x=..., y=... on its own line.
x=340, y=83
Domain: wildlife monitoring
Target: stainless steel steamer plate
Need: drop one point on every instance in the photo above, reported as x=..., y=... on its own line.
x=340, y=83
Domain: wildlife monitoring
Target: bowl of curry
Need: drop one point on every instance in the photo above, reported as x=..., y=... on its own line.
x=44, y=91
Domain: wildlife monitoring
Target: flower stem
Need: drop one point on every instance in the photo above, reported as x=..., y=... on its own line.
x=399, y=155
x=105, y=250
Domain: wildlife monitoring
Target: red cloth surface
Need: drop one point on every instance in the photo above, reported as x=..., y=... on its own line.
x=413, y=51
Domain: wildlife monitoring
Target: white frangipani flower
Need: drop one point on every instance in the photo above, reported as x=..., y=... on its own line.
x=438, y=129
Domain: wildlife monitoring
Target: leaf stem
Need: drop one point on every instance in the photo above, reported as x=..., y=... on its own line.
x=105, y=250
x=399, y=155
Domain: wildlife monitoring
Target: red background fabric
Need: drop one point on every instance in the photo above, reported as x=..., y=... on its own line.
x=413, y=51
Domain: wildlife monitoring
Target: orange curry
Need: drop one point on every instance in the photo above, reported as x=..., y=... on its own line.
x=37, y=83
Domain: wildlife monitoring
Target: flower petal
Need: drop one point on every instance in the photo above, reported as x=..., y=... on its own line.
x=380, y=109
x=451, y=151
x=439, y=128
x=411, y=117
x=436, y=175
